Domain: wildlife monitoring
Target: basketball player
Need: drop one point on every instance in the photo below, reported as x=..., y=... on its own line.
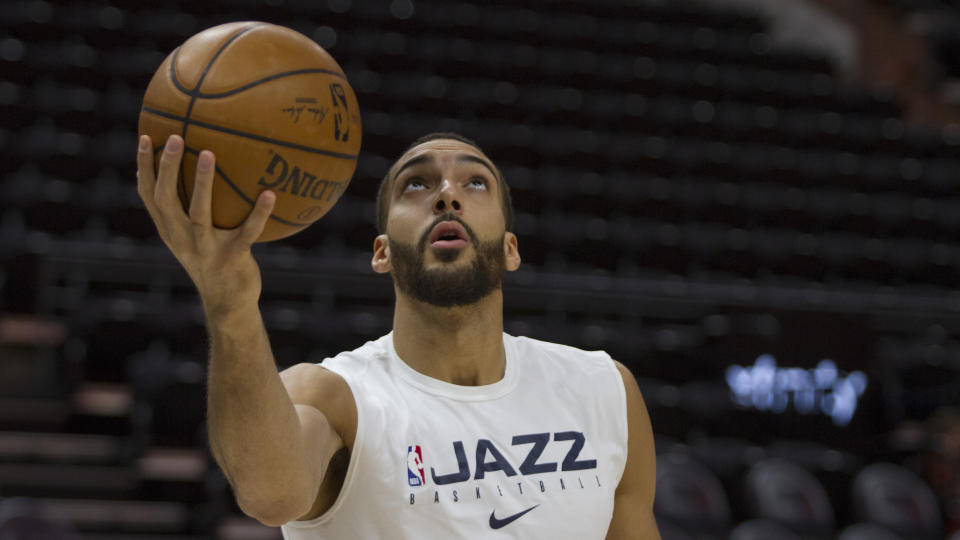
x=444, y=428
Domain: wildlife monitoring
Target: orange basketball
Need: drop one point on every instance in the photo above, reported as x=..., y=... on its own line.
x=275, y=109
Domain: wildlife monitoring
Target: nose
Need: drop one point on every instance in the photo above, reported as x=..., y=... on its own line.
x=447, y=200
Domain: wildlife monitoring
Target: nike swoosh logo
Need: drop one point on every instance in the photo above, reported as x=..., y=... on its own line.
x=498, y=523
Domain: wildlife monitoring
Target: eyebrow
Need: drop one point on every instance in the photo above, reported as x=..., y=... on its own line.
x=423, y=158
x=428, y=158
x=475, y=159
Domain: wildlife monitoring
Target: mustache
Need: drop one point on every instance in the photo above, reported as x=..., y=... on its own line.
x=447, y=217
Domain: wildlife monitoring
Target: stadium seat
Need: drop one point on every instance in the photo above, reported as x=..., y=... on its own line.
x=690, y=497
x=669, y=531
x=866, y=531
x=784, y=492
x=762, y=529
x=24, y=519
x=894, y=497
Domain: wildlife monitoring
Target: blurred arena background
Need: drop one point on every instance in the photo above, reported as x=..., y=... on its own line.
x=753, y=204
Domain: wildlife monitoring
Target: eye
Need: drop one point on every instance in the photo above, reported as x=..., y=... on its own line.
x=478, y=182
x=414, y=184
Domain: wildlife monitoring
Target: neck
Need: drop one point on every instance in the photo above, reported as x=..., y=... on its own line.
x=458, y=345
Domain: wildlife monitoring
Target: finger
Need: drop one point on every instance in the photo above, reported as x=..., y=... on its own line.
x=146, y=179
x=167, y=175
x=257, y=220
x=202, y=189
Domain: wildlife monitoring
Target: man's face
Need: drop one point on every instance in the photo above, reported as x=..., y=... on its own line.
x=446, y=241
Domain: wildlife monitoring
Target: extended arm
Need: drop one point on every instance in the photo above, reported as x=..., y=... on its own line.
x=271, y=450
x=633, y=506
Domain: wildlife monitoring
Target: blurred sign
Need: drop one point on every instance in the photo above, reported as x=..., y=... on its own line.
x=821, y=390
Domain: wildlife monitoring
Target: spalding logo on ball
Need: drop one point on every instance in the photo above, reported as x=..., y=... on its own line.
x=275, y=109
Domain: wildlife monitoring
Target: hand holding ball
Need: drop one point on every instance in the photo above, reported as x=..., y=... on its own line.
x=274, y=108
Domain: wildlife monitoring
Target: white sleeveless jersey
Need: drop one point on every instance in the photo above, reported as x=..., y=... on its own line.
x=537, y=454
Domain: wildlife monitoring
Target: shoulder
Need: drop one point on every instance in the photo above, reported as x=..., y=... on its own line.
x=556, y=352
x=326, y=391
x=629, y=381
x=555, y=361
x=329, y=387
x=334, y=375
x=633, y=507
x=352, y=364
x=638, y=422
x=305, y=381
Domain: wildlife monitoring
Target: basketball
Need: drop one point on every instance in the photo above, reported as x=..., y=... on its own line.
x=273, y=106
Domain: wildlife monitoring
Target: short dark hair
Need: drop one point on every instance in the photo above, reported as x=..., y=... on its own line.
x=383, y=197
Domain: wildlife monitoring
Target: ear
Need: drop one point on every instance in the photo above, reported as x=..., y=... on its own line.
x=511, y=251
x=381, y=255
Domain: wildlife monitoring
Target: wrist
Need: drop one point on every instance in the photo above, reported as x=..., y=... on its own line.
x=227, y=315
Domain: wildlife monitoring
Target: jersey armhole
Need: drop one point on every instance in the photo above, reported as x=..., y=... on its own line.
x=355, y=452
x=622, y=422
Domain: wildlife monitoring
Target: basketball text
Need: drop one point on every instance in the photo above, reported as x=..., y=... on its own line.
x=308, y=105
x=279, y=175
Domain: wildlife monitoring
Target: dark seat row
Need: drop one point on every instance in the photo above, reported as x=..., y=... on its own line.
x=692, y=498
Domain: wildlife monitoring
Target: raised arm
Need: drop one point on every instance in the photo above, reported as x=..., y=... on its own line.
x=272, y=451
x=633, y=505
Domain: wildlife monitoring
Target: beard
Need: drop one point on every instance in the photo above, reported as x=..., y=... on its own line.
x=448, y=287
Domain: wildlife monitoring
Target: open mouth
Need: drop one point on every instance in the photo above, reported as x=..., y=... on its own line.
x=448, y=234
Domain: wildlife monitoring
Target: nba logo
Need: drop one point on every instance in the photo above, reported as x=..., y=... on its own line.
x=415, y=466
